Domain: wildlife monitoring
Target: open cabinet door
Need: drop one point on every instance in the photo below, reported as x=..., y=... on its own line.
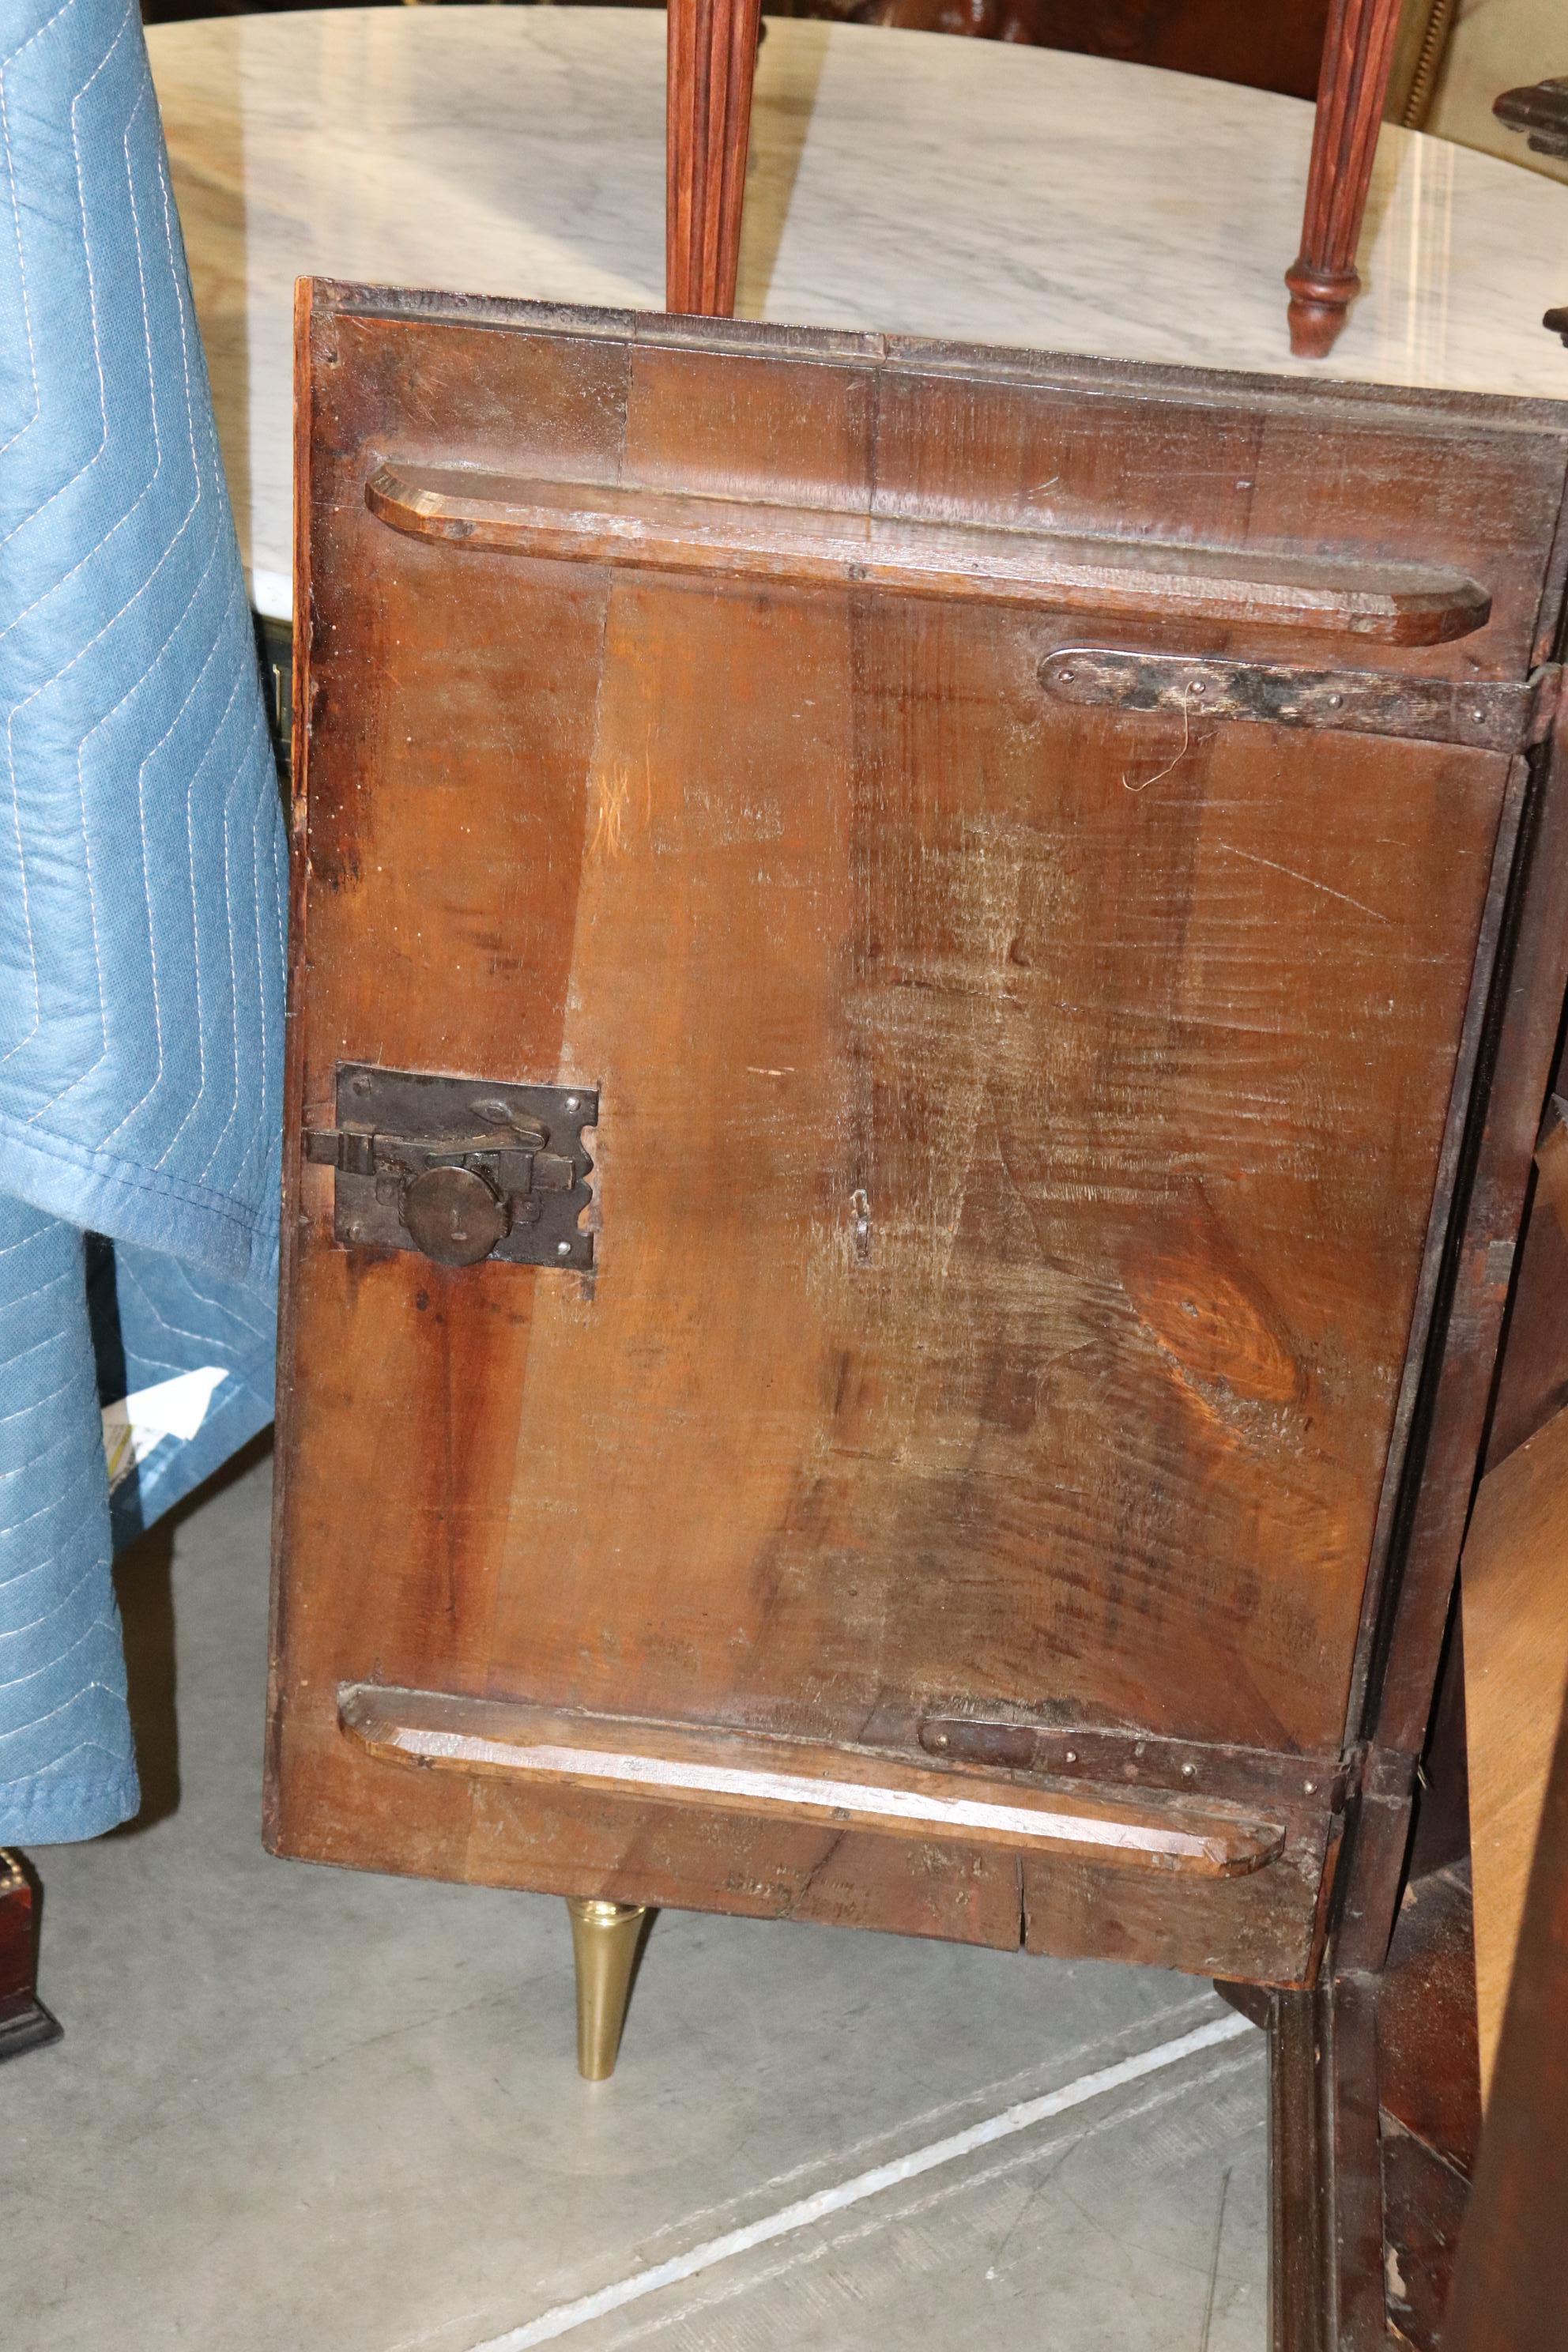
x=895, y=965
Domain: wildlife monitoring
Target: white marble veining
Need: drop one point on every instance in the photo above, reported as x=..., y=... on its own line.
x=906, y=182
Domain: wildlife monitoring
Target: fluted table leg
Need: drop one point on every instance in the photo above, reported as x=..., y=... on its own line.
x=605, y=1939
x=712, y=62
x=1358, y=51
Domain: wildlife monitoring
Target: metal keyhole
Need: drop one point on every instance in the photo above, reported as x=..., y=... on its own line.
x=455, y=1216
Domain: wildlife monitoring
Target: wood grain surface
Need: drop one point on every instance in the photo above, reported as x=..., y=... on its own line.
x=1516, y=1675
x=1533, y=1379
x=1325, y=2239
x=1429, y=2102
x=1026, y=1131
x=1511, y=2288
x=1518, y=1040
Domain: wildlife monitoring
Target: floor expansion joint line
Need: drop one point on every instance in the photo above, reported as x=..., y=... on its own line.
x=567, y=2316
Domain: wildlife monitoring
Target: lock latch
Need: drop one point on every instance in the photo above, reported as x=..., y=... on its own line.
x=458, y=1168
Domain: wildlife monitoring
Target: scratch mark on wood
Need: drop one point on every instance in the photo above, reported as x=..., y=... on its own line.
x=1253, y=858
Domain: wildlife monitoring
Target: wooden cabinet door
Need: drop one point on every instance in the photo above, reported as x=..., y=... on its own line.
x=1006, y=860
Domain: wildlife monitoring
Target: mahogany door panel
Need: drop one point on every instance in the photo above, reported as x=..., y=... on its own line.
x=1026, y=1107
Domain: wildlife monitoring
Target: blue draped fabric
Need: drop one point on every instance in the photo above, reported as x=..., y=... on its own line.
x=142, y=873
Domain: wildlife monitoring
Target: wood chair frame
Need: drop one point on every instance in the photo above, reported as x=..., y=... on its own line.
x=712, y=59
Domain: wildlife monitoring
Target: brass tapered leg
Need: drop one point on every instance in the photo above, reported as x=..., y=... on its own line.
x=605, y=1939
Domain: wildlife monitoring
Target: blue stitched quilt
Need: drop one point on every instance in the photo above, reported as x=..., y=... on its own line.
x=141, y=871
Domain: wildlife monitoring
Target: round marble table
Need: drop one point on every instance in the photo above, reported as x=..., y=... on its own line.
x=906, y=182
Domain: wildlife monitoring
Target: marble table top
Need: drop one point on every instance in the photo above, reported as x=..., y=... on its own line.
x=907, y=181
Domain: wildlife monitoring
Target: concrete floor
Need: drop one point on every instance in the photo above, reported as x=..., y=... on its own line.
x=303, y=2108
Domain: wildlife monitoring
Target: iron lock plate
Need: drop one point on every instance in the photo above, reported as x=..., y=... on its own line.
x=458, y=1168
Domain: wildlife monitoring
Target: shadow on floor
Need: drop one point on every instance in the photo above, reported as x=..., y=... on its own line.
x=145, y=1588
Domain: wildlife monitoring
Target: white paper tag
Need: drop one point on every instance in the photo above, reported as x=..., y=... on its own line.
x=140, y=1421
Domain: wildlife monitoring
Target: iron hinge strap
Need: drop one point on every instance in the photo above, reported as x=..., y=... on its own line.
x=1487, y=715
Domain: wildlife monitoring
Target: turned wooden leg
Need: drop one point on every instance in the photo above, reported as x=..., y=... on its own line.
x=604, y=1940
x=24, y=2023
x=1358, y=51
x=712, y=62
